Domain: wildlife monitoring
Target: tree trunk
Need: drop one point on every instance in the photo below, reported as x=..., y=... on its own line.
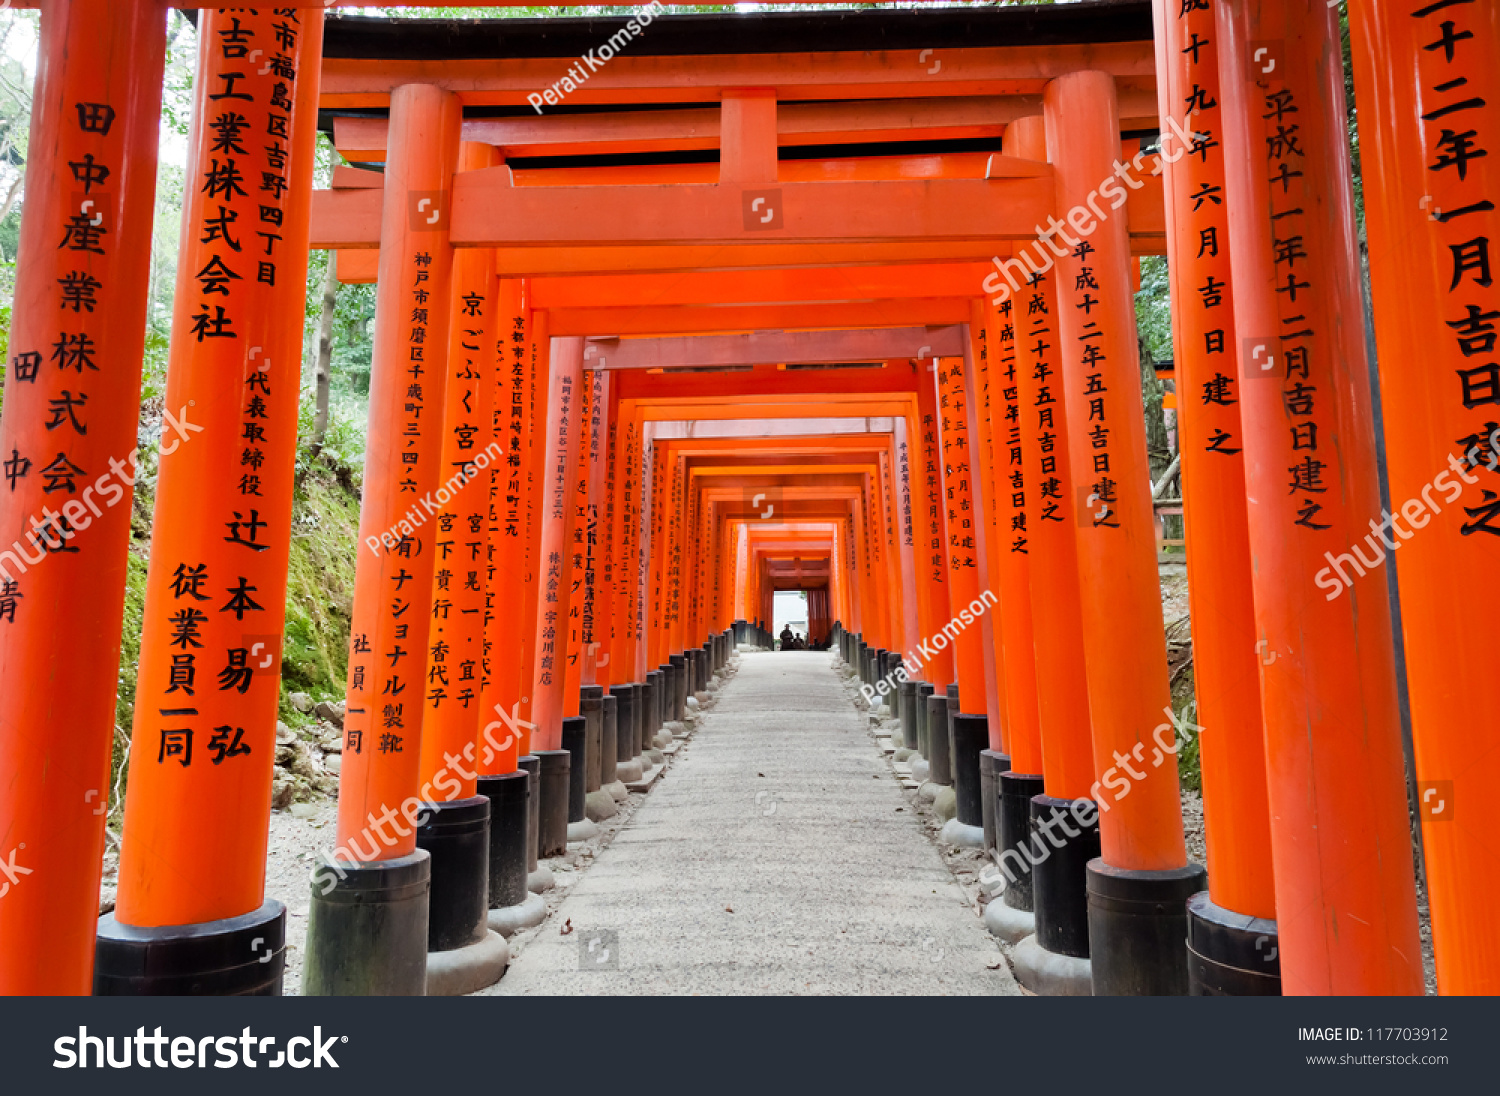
x=323, y=369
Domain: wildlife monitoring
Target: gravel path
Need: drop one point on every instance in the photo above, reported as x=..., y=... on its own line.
x=777, y=856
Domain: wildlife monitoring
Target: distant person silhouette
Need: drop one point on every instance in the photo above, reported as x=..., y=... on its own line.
x=786, y=637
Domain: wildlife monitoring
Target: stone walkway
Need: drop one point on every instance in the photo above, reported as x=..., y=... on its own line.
x=777, y=856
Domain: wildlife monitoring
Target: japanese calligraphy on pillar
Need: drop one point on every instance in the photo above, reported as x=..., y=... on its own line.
x=222, y=605
x=1453, y=61
x=1011, y=483
x=937, y=557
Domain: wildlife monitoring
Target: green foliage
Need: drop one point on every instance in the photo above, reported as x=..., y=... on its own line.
x=1153, y=307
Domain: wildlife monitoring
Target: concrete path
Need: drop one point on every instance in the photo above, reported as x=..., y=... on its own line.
x=778, y=856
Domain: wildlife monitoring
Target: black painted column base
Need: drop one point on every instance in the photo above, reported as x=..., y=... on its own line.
x=906, y=701
x=242, y=956
x=367, y=929
x=510, y=831
x=1230, y=954
x=650, y=700
x=555, y=765
x=609, y=738
x=940, y=770
x=1060, y=849
x=924, y=693
x=971, y=737
x=1054, y=961
x=626, y=698
x=591, y=708
x=676, y=707
x=1137, y=925
x=457, y=836
x=991, y=764
x=531, y=765
x=1013, y=795
x=575, y=733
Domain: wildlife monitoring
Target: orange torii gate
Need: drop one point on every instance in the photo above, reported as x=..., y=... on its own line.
x=589, y=258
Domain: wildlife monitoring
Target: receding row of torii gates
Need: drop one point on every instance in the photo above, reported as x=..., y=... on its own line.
x=616, y=403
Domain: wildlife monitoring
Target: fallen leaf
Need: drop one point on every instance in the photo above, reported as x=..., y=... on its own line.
x=568, y=926
x=728, y=909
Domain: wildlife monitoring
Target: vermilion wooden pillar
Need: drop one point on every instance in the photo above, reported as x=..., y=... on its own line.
x=628, y=495
x=963, y=519
x=379, y=800
x=204, y=742
x=539, y=350
x=1341, y=843
x=597, y=591
x=76, y=338
x=1428, y=85
x=932, y=556
x=559, y=485
x=453, y=750
x=1138, y=887
x=1015, y=502
x=982, y=398
x=1231, y=928
x=1059, y=792
x=455, y=650
x=502, y=714
x=579, y=593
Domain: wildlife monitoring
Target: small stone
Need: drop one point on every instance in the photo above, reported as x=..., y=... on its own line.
x=282, y=790
x=333, y=762
x=302, y=810
x=325, y=710
x=301, y=701
x=284, y=734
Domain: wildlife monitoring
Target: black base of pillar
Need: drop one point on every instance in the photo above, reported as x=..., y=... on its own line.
x=681, y=685
x=924, y=728
x=457, y=835
x=906, y=700
x=554, y=802
x=646, y=718
x=971, y=735
x=241, y=956
x=591, y=708
x=626, y=698
x=1230, y=954
x=575, y=735
x=531, y=765
x=367, y=931
x=939, y=771
x=1013, y=795
x=510, y=826
x=609, y=739
x=1137, y=925
x=1060, y=875
x=991, y=764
